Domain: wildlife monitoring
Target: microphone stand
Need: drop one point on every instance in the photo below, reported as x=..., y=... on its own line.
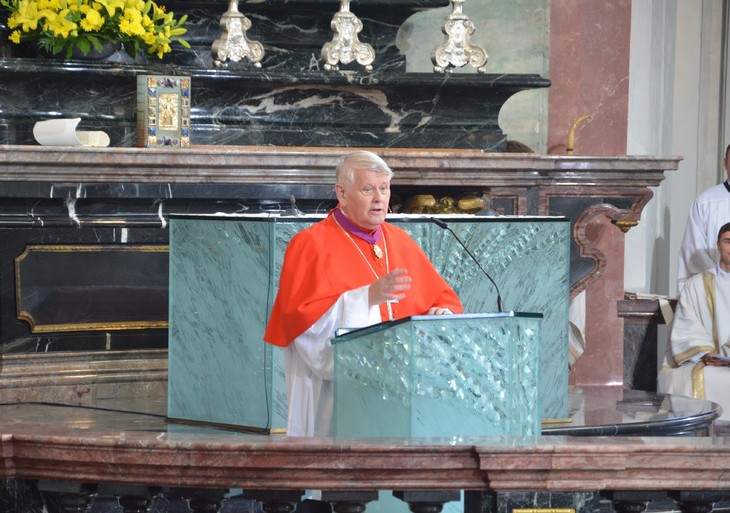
x=442, y=224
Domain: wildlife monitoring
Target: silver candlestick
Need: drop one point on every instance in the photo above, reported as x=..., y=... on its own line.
x=457, y=49
x=233, y=43
x=345, y=46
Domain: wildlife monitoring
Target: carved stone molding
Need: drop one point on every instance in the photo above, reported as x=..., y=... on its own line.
x=152, y=458
x=518, y=184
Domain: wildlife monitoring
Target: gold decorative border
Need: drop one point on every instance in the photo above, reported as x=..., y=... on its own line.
x=26, y=316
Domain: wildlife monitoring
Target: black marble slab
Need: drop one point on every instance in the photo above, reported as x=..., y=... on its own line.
x=16, y=335
x=641, y=316
x=26, y=496
x=290, y=101
x=489, y=502
x=267, y=108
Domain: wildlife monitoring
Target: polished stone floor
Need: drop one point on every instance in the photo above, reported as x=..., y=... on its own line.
x=597, y=411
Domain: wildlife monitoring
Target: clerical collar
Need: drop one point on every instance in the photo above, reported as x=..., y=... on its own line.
x=369, y=237
x=721, y=273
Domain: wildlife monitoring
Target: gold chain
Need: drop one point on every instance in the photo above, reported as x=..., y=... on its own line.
x=387, y=263
x=385, y=246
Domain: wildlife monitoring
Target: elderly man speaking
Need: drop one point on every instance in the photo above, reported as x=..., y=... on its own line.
x=351, y=270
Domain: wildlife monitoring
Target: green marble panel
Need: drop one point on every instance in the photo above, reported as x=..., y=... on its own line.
x=220, y=370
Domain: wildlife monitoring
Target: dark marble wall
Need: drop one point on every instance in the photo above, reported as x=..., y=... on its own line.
x=22, y=496
x=290, y=101
x=642, y=318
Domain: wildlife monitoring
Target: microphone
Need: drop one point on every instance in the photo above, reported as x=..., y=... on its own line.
x=442, y=224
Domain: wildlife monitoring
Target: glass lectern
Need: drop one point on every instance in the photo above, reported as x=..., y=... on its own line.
x=439, y=375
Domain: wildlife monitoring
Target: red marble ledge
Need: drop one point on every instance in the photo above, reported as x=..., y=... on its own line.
x=241, y=164
x=269, y=463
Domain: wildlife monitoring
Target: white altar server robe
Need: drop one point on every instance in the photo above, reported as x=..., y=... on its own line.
x=709, y=211
x=693, y=335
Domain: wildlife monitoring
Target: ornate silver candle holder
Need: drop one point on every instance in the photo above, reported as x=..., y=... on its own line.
x=457, y=50
x=345, y=46
x=233, y=44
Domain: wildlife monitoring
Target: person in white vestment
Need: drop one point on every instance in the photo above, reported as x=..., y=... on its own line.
x=698, y=354
x=708, y=212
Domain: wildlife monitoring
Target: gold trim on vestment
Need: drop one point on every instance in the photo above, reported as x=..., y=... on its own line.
x=691, y=353
x=698, y=380
x=708, y=279
x=698, y=375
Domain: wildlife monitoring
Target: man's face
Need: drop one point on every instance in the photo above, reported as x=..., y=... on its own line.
x=365, y=202
x=727, y=164
x=723, y=246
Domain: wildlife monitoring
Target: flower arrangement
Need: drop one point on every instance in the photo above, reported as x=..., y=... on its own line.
x=58, y=26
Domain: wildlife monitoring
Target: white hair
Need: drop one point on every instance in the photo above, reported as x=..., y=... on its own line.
x=360, y=160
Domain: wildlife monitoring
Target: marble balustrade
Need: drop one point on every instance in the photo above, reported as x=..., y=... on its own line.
x=139, y=465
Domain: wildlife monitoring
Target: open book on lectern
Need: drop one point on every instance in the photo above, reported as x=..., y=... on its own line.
x=343, y=334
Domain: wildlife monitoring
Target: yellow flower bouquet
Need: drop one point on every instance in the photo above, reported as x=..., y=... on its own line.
x=58, y=26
